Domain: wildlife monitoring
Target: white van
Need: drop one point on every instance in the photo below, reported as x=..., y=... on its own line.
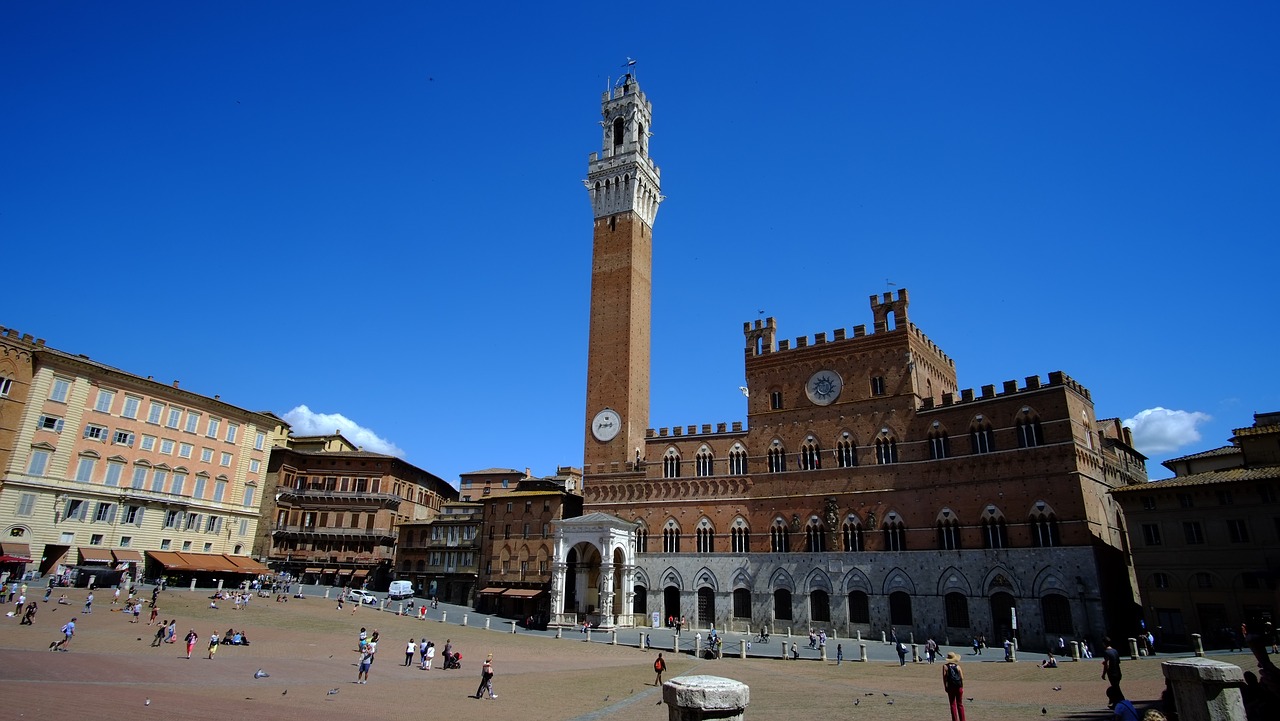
x=400, y=590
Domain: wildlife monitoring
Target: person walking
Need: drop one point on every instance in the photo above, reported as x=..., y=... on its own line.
x=191, y=639
x=366, y=661
x=68, y=630
x=839, y=653
x=953, y=683
x=1111, y=666
x=88, y=603
x=429, y=656
x=486, y=679
x=902, y=653
x=659, y=666
x=213, y=645
x=408, y=652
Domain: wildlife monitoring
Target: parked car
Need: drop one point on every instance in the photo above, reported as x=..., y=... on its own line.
x=363, y=597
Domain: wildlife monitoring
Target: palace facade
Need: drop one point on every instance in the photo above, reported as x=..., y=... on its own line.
x=866, y=489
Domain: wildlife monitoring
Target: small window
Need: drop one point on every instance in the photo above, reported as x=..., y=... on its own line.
x=95, y=432
x=122, y=438
x=877, y=385
x=61, y=386
x=5, y=385
x=1237, y=531
x=50, y=423
x=1151, y=534
x=775, y=400
x=1193, y=533
x=130, y=410
x=104, y=401
x=39, y=461
x=1148, y=503
x=1160, y=580
x=1185, y=500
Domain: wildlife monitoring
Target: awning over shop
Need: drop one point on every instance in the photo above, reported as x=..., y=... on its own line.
x=523, y=592
x=344, y=571
x=329, y=570
x=209, y=562
x=248, y=565
x=168, y=559
x=360, y=573
x=93, y=554
x=492, y=591
x=15, y=553
x=313, y=569
x=205, y=562
x=126, y=555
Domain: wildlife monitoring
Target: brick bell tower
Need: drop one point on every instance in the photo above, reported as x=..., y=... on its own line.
x=623, y=184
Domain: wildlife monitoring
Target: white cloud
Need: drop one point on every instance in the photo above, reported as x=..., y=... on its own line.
x=306, y=422
x=1160, y=430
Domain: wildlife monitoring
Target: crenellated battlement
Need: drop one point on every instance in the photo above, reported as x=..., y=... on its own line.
x=12, y=333
x=1008, y=388
x=761, y=335
x=694, y=430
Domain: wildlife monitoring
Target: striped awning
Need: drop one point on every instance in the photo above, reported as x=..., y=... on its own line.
x=126, y=555
x=16, y=552
x=311, y=570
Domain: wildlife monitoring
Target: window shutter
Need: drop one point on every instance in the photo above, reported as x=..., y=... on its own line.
x=137, y=519
x=111, y=513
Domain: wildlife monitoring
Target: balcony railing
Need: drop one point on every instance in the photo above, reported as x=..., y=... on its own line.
x=280, y=529
x=322, y=495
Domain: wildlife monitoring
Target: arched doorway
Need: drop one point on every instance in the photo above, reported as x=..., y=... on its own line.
x=1002, y=605
x=641, y=602
x=900, y=608
x=706, y=607
x=671, y=603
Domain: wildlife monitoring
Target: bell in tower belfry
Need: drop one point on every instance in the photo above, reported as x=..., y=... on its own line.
x=623, y=184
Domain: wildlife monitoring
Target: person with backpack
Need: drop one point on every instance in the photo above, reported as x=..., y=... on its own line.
x=953, y=683
x=659, y=666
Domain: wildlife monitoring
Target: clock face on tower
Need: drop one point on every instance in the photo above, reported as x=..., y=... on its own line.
x=823, y=387
x=606, y=425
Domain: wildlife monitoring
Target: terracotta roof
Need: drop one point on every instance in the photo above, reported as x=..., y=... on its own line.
x=1223, y=451
x=1257, y=430
x=1208, y=478
x=492, y=471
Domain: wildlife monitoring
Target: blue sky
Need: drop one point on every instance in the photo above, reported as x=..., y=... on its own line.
x=376, y=212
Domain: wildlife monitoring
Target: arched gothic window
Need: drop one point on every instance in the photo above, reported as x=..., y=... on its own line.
x=671, y=538
x=1028, y=426
x=1044, y=530
x=886, y=450
x=982, y=439
x=737, y=460
x=939, y=443
x=815, y=536
x=671, y=464
x=895, y=535
x=777, y=456
x=778, y=537
x=703, y=462
x=846, y=453
x=851, y=535
x=740, y=537
x=705, y=537
x=948, y=533
x=810, y=458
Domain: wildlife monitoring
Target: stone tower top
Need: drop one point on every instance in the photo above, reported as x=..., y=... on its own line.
x=622, y=177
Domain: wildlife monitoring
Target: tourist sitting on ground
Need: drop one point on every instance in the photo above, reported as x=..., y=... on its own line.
x=63, y=600
x=1049, y=662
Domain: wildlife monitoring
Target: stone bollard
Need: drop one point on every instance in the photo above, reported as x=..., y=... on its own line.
x=912, y=637
x=559, y=634
x=883, y=638
x=1075, y=650
x=326, y=591
x=1133, y=649
x=444, y=615
x=513, y=625
x=643, y=646
x=742, y=648
x=675, y=643
x=614, y=640
x=784, y=651
x=859, y=635
x=400, y=609
x=219, y=584
x=464, y=619
x=697, y=648
x=1205, y=690
x=193, y=587
x=1197, y=644
x=1015, y=644
x=915, y=653
x=862, y=651
x=788, y=633
x=822, y=652
x=694, y=698
x=588, y=630
x=1013, y=654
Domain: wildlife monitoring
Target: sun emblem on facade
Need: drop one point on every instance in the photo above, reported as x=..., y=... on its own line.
x=824, y=387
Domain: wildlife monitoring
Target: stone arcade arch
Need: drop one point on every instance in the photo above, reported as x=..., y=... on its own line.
x=603, y=588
